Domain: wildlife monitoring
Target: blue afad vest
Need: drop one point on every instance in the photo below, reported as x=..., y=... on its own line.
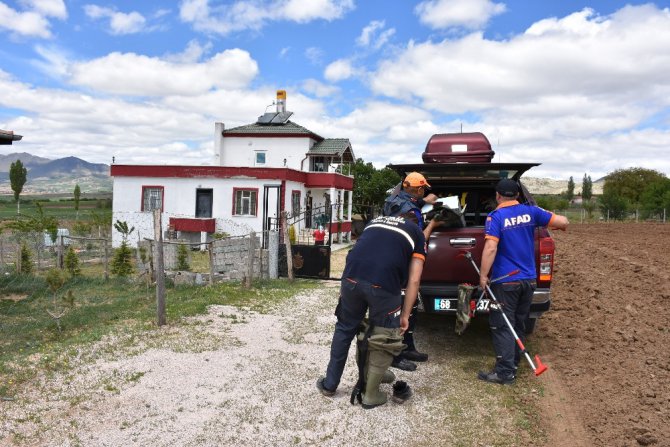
x=400, y=203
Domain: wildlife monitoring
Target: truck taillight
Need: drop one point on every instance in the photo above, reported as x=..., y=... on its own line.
x=546, y=258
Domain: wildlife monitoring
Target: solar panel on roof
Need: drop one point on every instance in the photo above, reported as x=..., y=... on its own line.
x=281, y=117
x=266, y=118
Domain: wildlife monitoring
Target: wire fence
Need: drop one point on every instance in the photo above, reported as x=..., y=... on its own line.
x=581, y=215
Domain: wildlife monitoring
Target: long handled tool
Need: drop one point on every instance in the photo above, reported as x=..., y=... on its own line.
x=541, y=367
x=499, y=278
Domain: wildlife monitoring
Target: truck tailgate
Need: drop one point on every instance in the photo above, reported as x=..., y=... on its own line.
x=445, y=265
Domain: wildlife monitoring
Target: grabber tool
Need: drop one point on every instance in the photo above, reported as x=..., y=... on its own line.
x=538, y=367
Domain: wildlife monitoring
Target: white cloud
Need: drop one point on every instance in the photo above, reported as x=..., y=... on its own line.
x=133, y=74
x=319, y=89
x=470, y=14
x=339, y=70
x=47, y=8
x=372, y=37
x=193, y=53
x=119, y=22
x=254, y=15
x=33, y=22
x=314, y=55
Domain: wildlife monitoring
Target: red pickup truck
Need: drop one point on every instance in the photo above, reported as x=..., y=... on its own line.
x=460, y=166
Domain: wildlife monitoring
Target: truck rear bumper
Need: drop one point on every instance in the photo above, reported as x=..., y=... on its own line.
x=440, y=299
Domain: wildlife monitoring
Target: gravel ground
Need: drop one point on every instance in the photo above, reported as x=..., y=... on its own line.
x=236, y=377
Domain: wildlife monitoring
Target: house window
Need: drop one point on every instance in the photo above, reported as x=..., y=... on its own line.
x=245, y=202
x=319, y=164
x=260, y=158
x=152, y=198
x=203, y=202
x=295, y=203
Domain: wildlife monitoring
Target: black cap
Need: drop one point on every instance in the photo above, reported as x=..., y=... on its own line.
x=507, y=188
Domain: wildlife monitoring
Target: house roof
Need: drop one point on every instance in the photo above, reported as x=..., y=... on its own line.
x=8, y=136
x=289, y=128
x=339, y=147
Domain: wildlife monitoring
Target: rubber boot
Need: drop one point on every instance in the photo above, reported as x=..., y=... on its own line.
x=373, y=397
x=388, y=377
x=378, y=364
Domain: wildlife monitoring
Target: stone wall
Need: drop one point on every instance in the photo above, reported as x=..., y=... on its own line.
x=230, y=257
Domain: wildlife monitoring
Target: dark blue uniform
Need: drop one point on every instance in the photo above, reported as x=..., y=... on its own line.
x=376, y=270
x=513, y=225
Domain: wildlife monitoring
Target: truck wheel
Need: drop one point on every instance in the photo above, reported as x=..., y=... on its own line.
x=530, y=325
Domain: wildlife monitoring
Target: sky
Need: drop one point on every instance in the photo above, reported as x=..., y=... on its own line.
x=582, y=87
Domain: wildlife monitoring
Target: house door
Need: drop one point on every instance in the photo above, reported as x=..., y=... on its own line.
x=203, y=202
x=271, y=194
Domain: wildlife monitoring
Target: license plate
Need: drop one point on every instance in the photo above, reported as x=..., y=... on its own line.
x=485, y=305
x=444, y=304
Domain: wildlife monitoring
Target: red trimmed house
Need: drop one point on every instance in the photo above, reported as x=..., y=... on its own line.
x=267, y=167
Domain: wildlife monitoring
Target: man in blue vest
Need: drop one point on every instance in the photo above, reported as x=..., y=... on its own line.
x=509, y=246
x=410, y=199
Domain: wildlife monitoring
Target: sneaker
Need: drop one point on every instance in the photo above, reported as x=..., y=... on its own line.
x=325, y=391
x=493, y=377
x=414, y=355
x=401, y=392
x=405, y=365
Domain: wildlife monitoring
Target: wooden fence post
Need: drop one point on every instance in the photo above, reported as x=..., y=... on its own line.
x=160, y=271
x=60, y=252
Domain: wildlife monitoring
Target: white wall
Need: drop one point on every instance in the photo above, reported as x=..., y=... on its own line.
x=237, y=151
x=179, y=201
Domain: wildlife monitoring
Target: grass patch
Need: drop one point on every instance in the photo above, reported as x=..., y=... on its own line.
x=31, y=342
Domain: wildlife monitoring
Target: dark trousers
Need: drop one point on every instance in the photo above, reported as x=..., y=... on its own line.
x=356, y=297
x=515, y=298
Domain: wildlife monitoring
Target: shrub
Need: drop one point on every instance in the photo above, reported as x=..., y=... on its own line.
x=122, y=262
x=71, y=262
x=26, y=259
x=182, y=258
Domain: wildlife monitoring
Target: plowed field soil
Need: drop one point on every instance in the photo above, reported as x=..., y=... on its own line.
x=607, y=336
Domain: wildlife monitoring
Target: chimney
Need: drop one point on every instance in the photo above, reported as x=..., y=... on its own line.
x=281, y=101
x=218, y=142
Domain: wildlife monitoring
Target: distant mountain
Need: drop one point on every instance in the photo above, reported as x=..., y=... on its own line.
x=555, y=187
x=56, y=176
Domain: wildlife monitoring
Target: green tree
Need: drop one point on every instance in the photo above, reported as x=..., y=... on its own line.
x=613, y=205
x=546, y=202
x=17, y=177
x=371, y=185
x=77, y=195
x=629, y=183
x=570, y=193
x=26, y=259
x=655, y=197
x=587, y=188
x=182, y=258
x=589, y=207
x=37, y=223
x=71, y=262
x=123, y=256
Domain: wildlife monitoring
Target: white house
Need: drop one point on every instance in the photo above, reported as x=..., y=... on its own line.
x=266, y=167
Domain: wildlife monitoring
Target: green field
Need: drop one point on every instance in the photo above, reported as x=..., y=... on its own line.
x=62, y=209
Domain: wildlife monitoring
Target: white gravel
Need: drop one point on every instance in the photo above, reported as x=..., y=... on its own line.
x=230, y=377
